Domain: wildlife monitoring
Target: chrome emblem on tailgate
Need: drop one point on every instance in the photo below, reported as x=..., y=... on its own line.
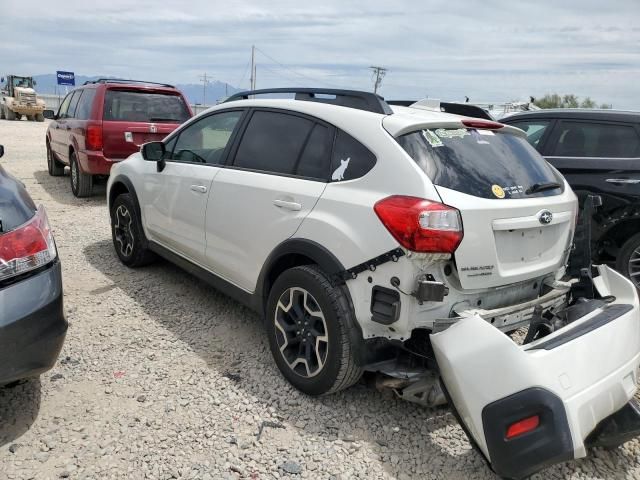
x=545, y=217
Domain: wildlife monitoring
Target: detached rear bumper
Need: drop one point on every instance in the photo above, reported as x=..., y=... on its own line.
x=573, y=380
x=32, y=325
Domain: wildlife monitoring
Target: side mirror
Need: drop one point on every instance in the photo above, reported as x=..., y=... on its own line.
x=35, y=83
x=153, y=151
x=50, y=114
x=1, y=151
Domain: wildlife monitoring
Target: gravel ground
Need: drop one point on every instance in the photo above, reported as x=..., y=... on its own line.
x=162, y=377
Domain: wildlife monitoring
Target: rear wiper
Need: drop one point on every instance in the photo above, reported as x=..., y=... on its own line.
x=541, y=187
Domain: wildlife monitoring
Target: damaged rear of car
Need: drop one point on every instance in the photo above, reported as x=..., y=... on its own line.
x=538, y=365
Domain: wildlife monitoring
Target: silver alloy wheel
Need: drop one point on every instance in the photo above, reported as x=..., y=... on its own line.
x=634, y=267
x=122, y=229
x=301, y=332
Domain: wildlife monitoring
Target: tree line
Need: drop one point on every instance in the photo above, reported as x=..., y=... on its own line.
x=553, y=100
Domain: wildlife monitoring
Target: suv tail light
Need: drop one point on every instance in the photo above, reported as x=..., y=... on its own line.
x=421, y=225
x=28, y=247
x=94, y=137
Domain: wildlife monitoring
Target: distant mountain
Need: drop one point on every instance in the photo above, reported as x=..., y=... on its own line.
x=215, y=90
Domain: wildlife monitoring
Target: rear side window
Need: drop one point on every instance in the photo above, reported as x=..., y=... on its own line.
x=83, y=110
x=273, y=142
x=140, y=106
x=534, y=129
x=314, y=161
x=480, y=162
x=584, y=139
x=350, y=158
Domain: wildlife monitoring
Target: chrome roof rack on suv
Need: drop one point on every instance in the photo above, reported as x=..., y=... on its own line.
x=124, y=80
x=464, y=109
x=368, y=101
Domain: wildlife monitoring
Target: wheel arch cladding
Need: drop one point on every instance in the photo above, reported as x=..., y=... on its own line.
x=292, y=253
x=119, y=186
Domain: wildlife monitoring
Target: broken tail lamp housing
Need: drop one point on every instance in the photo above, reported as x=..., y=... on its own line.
x=28, y=247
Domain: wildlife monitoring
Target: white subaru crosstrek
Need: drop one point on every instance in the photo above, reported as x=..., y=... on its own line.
x=400, y=240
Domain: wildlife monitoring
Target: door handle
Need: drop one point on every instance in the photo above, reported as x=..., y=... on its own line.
x=623, y=180
x=294, y=206
x=199, y=188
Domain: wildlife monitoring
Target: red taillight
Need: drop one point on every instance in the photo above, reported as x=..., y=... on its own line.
x=523, y=426
x=482, y=124
x=421, y=225
x=94, y=137
x=28, y=247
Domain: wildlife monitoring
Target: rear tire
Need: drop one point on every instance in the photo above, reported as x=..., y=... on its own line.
x=127, y=233
x=628, y=261
x=40, y=117
x=307, y=321
x=56, y=169
x=81, y=183
x=2, y=112
x=10, y=114
x=30, y=118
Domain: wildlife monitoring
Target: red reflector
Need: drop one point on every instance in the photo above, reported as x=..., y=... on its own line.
x=523, y=426
x=421, y=225
x=94, y=137
x=482, y=124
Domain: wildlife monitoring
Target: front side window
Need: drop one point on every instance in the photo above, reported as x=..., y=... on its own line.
x=73, y=104
x=534, y=129
x=481, y=163
x=141, y=106
x=273, y=142
x=205, y=140
x=62, y=111
x=586, y=139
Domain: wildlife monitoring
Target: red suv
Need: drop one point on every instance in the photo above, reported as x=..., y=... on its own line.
x=105, y=121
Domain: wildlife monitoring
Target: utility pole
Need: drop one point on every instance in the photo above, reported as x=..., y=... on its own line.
x=253, y=68
x=205, y=80
x=378, y=74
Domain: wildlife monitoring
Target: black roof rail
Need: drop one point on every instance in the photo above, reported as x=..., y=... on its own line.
x=124, y=80
x=464, y=109
x=368, y=101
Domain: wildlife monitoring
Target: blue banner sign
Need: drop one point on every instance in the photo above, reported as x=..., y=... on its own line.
x=66, y=78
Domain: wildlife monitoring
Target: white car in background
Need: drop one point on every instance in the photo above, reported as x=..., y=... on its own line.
x=404, y=241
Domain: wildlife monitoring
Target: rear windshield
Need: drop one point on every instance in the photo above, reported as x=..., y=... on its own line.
x=138, y=106
x=480, y=162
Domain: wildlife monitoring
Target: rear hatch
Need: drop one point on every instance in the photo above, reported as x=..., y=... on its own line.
x=518, y=219
x=132, y=117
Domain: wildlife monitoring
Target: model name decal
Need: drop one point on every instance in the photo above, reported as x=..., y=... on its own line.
x=478, y=270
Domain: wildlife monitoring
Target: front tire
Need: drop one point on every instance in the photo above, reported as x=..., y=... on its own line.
x=56, y=169
x=308, y=320
x=81, y=183
x=40, y=117
x=127, y=233
x=10, y=114
x=628, y=261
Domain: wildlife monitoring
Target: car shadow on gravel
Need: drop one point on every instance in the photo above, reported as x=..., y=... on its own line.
x=406, y=438
x=60, y=189
x=230, y=339
x=19, y=407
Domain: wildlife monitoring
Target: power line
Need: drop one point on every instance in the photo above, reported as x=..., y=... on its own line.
x=307, y=77
x=378, y=74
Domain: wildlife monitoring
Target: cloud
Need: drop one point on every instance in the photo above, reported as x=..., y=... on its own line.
x=491, y=50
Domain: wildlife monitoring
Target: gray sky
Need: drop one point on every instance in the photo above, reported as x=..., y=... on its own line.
x=489, y=50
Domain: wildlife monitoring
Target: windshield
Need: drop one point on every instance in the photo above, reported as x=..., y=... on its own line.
x=482, y=163
x=25, y=82
x=140, y=106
